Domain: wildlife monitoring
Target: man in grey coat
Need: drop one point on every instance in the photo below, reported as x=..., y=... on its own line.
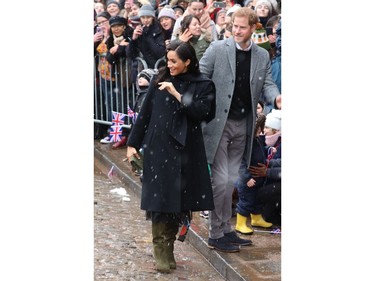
x=241, y=71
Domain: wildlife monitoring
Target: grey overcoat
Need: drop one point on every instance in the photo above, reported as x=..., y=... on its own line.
x=218, y=62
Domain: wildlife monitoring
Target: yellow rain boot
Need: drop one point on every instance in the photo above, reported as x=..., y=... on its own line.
x=257, y=220
x=241, y=226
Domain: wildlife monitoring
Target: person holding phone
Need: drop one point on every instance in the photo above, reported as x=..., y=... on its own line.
x=220, y=23
x=147, y=38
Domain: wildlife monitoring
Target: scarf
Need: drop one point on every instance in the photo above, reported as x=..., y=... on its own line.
x=272, y=139
x=117, y=40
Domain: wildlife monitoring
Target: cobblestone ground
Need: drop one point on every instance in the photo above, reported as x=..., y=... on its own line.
x=123, y=240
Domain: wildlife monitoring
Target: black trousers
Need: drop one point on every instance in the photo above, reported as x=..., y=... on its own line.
x=270, y=196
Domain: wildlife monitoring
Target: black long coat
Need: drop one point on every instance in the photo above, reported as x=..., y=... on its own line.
x=175, y=172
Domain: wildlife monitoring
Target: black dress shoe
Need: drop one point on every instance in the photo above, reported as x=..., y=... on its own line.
x=235, y=240
x=222, y=244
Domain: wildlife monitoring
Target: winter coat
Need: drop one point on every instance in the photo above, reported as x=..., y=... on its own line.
x=175, y=172
x=258, y=155
x=121, y=51
x=150, y=44
x=218, y=62
x=200, y=45
x=274, y=167
x=115, y=59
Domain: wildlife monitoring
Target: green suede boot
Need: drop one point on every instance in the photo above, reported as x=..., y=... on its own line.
x=170, y=237
x=160, y=252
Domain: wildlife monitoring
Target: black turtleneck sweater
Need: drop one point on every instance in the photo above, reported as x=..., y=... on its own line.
x=241, y=101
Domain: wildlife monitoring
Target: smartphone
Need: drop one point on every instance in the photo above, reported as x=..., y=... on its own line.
x=99, y=29
x=219, y=4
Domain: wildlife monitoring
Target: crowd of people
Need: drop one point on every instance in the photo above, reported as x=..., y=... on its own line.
x=208, y=107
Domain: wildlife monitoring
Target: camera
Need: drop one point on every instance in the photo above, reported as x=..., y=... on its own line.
x=219, y=4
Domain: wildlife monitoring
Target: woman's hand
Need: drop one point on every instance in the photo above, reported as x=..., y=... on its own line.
x=113, y=50
x=130, y=152
x=272, y=38
x=98, y=36
x=185, y=37
x=137, y=32
x=124, y=43
x=171, y=89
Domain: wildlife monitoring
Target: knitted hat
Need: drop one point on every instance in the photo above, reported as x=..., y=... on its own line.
x=147, y=73
x=273, y=119
x=146, y=10
x=264, y=2
x=178, y=7
x=113, y=2
x=218, y=12
x=260, y=38
x=246, y=3
x=167, y=11
x=117, y=20
x=232, y=9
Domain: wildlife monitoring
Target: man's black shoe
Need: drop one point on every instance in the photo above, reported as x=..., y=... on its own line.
x=235, y=240
x=222, y=244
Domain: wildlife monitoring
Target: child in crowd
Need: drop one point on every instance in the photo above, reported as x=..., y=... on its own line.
x=270, y=194
x=142, y=84
x=247, y=185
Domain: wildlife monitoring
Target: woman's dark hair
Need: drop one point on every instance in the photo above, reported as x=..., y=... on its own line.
x=186, y=21
x=260, y=122
x=184, y=51
x=272, y=20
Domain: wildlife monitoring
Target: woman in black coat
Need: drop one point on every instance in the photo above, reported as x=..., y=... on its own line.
x=176, y=180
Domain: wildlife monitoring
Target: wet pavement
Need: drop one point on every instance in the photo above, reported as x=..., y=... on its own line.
x=123, y=241
x=123, y=251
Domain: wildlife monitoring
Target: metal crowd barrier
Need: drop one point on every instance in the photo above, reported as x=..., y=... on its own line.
x=117, y=93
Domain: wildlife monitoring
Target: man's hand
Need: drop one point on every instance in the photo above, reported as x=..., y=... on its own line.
x=278, y=102
x=258, y=172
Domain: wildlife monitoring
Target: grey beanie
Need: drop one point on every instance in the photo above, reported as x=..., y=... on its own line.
x=146, y=10
x=167, y=11
x=147, y=73
x=113, y=2
x=264, y=2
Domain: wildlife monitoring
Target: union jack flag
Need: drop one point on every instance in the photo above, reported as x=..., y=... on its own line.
x=132, y=114
x=118, y=118
x=110, y=173
x=115, y=133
